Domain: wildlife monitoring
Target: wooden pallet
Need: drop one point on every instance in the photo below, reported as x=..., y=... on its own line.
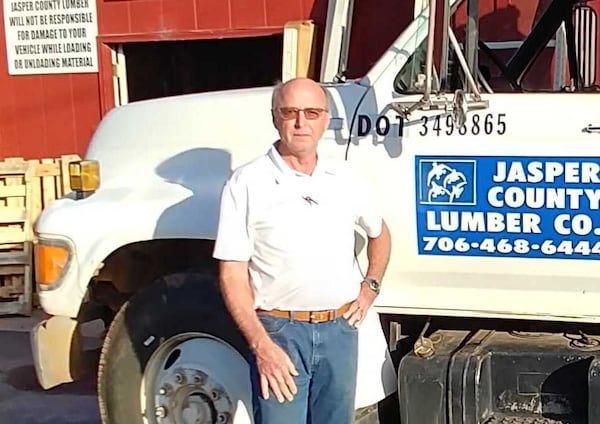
x=15, y=238
x=50, y=181
x=26, y=188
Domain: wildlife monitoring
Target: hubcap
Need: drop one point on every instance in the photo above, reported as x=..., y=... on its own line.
x=196, y=380
x=190, y=396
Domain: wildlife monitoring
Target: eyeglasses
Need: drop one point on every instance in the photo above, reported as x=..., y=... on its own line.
x=310, y=113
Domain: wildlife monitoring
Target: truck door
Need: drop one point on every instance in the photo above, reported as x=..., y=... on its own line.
x=491, y=198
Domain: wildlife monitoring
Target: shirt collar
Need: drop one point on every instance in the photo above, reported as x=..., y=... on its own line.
x=323, y=166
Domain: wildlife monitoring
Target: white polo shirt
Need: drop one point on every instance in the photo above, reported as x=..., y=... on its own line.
x=296, y=231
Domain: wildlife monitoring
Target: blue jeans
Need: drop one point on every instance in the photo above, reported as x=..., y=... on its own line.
x=325, y=356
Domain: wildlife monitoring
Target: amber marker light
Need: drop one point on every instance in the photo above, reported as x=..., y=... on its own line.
x=84, y=177
x=50, y=261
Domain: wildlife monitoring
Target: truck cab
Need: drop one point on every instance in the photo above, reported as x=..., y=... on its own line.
x=488, y=182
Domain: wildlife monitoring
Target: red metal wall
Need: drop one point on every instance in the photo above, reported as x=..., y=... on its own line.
x=45, y=115
x=375, y=26
x=50, y=115
x=185, y=18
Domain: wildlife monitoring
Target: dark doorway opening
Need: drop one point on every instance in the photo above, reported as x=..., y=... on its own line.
x=169, y=68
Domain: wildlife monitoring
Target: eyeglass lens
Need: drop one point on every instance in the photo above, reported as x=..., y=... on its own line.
x=292, y=112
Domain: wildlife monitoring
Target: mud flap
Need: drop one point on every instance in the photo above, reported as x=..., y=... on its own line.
x=376, y=377
x=57, y=354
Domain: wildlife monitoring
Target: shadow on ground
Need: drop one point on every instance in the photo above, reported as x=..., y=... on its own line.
x=23, y=401
x=24, y=378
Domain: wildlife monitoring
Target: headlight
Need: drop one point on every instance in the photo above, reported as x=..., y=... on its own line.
x=51, y=258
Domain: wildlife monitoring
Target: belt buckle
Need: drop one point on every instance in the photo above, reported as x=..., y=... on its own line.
x=317, y=317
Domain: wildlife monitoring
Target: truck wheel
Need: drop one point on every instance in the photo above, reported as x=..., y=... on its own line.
x=173, y=355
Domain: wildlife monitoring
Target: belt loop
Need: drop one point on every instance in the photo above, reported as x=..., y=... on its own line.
x=292, y=315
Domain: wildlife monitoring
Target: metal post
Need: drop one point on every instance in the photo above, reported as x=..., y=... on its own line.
x=463, y=63
x=337, y=31
x=472, y=35
x=430, y=44
x=443, y=44
x=560, y=59
x=343, y=66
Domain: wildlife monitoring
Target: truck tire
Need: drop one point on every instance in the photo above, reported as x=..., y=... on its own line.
x=173, y=354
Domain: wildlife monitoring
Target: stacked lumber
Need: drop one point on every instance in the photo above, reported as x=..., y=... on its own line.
x=15, y=237
x=26, y=188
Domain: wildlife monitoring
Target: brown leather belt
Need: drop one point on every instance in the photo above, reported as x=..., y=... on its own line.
x=308, y=316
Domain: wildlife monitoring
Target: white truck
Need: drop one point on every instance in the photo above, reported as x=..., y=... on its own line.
x=491, y=192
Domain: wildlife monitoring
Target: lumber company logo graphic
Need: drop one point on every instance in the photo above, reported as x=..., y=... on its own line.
x=446, y=182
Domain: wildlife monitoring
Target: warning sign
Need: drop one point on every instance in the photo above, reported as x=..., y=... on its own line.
x=51, y=36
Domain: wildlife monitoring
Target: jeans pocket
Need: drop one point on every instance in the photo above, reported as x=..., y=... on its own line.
x=273, y=325
x=345, y=326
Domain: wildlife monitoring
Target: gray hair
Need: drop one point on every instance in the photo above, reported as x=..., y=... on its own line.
x=276, y=91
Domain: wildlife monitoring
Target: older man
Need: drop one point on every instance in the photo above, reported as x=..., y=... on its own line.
x=288, y=274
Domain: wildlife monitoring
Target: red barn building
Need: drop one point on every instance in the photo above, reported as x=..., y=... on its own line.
x=107, y=52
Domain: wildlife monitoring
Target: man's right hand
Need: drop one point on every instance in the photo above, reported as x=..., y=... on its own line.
x=276, y=371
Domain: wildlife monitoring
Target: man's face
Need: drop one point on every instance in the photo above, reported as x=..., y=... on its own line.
x=300, y=115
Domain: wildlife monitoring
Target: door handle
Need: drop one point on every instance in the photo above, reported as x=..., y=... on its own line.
x=591, y=129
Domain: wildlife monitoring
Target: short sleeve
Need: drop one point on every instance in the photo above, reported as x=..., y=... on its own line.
x=368, y=212
x=233, y=241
